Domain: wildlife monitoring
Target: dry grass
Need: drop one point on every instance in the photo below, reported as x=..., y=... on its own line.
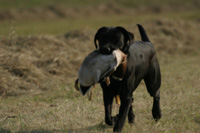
x=38, y=74
x=65, y=110
x=39, y=63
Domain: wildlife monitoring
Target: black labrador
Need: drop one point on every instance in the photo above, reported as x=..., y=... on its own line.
x=142, y=63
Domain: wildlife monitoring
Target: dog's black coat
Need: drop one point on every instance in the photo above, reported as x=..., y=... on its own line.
x=142, y=63
x=111, y=38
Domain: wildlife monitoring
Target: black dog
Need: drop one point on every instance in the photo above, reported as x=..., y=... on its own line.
x=142, y=63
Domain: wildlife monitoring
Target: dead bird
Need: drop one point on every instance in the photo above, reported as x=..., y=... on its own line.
x=97, y=67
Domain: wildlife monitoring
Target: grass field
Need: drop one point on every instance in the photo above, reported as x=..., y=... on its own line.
x=42, y=47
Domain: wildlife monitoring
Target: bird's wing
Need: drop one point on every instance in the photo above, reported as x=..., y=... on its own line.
x=107, y=73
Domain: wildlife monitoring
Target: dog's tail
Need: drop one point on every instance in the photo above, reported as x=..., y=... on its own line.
x=143, y=33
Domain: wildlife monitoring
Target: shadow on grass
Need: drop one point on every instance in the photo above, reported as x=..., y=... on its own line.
x=101, y=127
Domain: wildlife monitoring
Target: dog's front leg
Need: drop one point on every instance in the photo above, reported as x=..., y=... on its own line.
x=123, y=111
x=108, y=100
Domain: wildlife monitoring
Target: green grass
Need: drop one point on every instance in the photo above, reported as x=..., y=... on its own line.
x=9, y=4
x=62, y=26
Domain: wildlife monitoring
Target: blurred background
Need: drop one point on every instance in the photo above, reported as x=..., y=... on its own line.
x=60, y=16
x=43, y=43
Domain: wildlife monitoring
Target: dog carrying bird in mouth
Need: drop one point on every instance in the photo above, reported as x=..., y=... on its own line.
x=96, y=67
x=141, y=64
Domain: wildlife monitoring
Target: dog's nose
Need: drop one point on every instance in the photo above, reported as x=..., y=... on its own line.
x=105, y=50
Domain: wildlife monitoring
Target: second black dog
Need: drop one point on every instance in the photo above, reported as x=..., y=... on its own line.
x=142, y=64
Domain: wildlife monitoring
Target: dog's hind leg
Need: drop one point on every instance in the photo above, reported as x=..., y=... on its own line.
x=131, y=115
x=153, y=82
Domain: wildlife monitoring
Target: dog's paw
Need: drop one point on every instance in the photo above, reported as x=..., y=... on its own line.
x=156, y=114
x=114, y=119
x=131, y=119
x=108, y=122
x=111, y=121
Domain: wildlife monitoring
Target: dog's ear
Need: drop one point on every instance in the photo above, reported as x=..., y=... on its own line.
x=128, y=39
x=96, y=37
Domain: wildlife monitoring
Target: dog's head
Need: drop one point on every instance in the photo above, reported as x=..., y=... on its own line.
x=112, y=38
